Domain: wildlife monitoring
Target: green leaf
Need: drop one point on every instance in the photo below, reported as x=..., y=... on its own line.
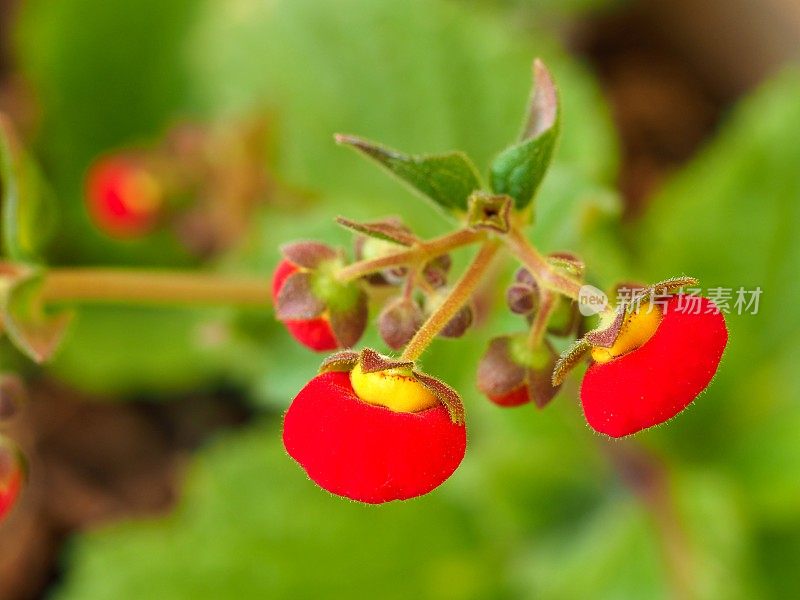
x=269, y=532
x=27, y=208
x=448, y=179
x=518, y=170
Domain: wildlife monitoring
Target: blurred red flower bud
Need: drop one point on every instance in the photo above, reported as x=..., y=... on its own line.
x=123, y=197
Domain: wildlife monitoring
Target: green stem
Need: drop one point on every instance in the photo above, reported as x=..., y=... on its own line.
x=419, y=253
x=152, y=287
x=458, y=296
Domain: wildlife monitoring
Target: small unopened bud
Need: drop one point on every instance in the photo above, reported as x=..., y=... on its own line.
x=511, y=374
x=435, y=272
x=458, y=325
x=525, y=277
x=500, y=376
x=521, y=299
x=399, y=321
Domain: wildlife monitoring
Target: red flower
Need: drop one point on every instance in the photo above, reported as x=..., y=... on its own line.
x=662, y=373
x=315, y=333
x=367, y=452
x=123, y=197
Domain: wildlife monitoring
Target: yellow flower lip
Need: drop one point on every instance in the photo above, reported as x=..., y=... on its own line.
x=636, y=330
x=396, y=389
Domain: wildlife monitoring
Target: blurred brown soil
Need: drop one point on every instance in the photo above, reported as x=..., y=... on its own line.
x=93, y=461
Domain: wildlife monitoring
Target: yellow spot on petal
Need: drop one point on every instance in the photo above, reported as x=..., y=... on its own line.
x=396, y=389
x=636, y=330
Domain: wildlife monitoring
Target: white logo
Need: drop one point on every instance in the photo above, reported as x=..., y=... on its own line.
x=591, y=301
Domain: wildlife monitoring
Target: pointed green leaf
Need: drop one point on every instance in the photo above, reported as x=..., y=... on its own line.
x=448, y=179
x=519, y=169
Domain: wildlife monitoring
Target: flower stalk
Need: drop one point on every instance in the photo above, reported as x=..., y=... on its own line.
x=540, y=320
x=459, y=295
x=92, y=285
x=545, y=274
x=419, y=253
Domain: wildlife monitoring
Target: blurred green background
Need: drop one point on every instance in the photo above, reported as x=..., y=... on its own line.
x=707, y=506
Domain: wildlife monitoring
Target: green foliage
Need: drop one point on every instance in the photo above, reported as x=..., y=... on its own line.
x=519, y=169
x=446, y=179
x=28, y=211
x=255, y=527
x=421, y=76
x=121, y=82
x=730, y=220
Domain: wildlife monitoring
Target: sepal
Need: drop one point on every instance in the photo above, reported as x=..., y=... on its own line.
x=296, y=299
x=490, y=211
x=390, y=229
x=308, y=254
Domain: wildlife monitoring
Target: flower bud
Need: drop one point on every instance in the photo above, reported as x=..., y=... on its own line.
x=399, y=321
x=521, y=299
x=511, y=374
x=319, y=311
x=124, y=198
x=435, y=272
x=525, y=277
x=459, y=323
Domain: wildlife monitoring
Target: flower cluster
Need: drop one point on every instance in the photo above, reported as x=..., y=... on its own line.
x=375, y=428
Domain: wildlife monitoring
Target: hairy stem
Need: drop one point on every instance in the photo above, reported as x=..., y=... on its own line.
x=152, y=287
x=458, y=296
x=541, y=318
x=419, y=253
x=547, y=276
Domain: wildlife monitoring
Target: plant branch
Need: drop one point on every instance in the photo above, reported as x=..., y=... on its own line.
x=421, y=252
x=539, y=326
x=458, y=296
x=152, y=287
x=547, y=276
